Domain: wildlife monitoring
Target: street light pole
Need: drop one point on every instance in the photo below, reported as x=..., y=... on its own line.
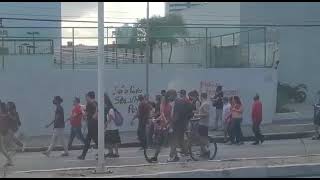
x=100, y=167
x=147, y=51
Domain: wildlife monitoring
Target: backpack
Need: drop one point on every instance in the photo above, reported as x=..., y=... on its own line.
x=118, y=119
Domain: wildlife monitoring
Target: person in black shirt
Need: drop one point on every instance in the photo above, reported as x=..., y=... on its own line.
x=92, y=120
x=4, y=126
x=14, y=124
x=58, y=127
x=218, y=103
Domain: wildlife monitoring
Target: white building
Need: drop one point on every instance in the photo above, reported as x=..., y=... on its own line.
x=26, y=36
x=172, y=7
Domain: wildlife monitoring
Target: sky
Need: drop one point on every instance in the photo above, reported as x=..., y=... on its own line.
x=114, y=11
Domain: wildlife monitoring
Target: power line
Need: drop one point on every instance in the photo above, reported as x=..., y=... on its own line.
x=84, y=17
x=193, y=24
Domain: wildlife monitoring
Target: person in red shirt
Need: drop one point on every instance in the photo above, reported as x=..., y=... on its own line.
x=256, y=116
x=75, y=122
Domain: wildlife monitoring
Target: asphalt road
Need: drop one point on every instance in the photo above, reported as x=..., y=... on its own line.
x=134, y=156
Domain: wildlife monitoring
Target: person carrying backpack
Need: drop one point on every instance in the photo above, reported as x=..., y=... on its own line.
x=112, y=122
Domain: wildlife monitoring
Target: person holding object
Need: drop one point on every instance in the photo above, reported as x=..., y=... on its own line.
x=58, y=127
x=256, y=116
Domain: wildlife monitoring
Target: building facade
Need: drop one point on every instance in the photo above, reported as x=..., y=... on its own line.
x=172, y=7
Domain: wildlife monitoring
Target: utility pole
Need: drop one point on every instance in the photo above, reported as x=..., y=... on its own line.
x=147, y=51
x=100, y=167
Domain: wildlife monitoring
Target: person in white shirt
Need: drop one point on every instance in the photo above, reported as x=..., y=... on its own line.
x=226, y=114
x=112, y=136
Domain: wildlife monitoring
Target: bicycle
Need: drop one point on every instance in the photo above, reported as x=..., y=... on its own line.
x=192, y=139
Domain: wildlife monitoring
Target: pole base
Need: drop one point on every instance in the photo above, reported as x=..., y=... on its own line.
x=102, y=170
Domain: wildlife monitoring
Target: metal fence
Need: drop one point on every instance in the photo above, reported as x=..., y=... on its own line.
x=206, y=47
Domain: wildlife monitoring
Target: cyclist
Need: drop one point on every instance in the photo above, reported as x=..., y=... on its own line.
x=204, y=124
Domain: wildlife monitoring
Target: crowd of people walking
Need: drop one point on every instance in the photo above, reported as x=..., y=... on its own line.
x=172, y=111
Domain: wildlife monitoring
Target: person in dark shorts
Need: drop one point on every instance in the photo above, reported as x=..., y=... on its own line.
x=112, y=136
x=92, y=120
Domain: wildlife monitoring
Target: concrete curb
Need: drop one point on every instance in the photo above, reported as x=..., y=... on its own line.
x=218, y=139
x=273, y=171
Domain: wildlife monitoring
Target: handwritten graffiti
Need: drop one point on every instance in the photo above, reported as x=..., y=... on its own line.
x=127, y=95
x=210, y=88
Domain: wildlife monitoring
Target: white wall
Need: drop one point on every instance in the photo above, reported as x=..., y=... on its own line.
x=298, y=46
x=32, y=83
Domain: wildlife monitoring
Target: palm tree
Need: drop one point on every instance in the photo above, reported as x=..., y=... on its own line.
x=162, y=34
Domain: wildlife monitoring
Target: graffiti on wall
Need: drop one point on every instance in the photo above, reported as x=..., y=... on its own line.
x=209, y=87
x=126, y=95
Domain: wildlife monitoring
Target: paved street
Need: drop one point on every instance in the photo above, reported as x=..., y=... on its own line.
x=134, y=156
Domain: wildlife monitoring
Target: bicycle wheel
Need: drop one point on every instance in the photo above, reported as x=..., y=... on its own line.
x=213, y=148
x=196, y=153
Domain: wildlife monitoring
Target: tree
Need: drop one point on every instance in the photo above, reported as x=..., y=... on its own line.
x=161, y=34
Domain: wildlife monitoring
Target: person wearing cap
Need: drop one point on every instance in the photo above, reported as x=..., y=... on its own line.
x=58, y=127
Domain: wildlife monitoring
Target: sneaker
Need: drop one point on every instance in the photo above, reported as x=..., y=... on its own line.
x=109, y=155
x=240, y=143
x=64, y=154
x=230, y=143
x=115, y=155
x=205, y=155
x=23, y=147
x=81, y=157
x=9, y=163
x=45, y=153
x=176, y=159
x=154, y=159
x=255, y=143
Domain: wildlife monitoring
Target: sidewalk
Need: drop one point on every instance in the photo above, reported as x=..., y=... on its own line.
x=268, y=167
x=129, y=139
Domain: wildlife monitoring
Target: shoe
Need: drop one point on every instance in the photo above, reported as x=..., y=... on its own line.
x=205, y=155
x=45, y=153
x=154, y=159
x=109, y=155
x=255, y=143
x=262, y=140
x=23, y=147
x=115, y=155
x=81, y=157
x=9, y=163
x=176, y=159
x=315, y=138
x=230, y=143
x=64, y=154
x=240, y=143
